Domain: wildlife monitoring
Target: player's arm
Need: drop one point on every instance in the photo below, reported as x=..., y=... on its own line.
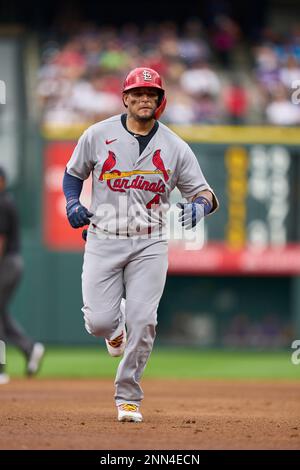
x=205, y=193
x=201, y=202
x=78, y=169
x=77, y=214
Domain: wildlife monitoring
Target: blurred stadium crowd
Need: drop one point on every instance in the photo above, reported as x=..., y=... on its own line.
x=212, y=76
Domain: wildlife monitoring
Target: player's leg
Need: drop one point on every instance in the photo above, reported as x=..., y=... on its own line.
x=10, y=275
x=4, y=378
x=102, y=286
x=144, y=278
x=116, y=344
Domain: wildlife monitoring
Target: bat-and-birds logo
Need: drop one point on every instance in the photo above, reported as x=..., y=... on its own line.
x=119, y=180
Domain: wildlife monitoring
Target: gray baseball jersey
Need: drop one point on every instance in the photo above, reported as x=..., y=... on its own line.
x=145, y=181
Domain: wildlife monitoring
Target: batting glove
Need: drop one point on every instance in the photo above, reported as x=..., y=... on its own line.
x=193, y=212
x=77, y=214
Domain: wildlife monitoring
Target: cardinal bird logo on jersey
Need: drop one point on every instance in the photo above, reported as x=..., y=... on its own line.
x=121, y=181
x=108, y=164
x=159, y=164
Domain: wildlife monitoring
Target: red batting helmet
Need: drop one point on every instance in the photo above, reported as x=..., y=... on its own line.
x=145, y=77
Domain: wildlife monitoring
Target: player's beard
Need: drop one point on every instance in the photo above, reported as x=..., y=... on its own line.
x=147, y=118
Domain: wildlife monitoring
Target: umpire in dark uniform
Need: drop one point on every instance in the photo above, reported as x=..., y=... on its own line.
x=11, y=268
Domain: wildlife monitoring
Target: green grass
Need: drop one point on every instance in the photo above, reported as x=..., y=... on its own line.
x=168, y=363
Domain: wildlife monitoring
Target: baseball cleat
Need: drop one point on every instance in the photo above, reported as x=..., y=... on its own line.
x=128, y=412
x=116, y=346
x=4, y=378
x=35, y=359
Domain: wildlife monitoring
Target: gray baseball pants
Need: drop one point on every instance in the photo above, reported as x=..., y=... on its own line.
x=137, y=267
x=11, y=268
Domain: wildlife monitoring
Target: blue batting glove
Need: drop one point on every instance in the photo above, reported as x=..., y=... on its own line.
x=77, y=214
x=193, y=212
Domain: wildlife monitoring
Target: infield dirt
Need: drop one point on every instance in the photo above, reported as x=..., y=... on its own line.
x=187, y=414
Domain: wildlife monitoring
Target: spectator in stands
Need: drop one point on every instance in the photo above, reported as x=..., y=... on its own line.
x=200, y=79
x=235, y=103
x=267, y=67
x=225, y=37
x=281, y=111
x=290, y=72
x=181, y=107
x=79, y=80
x=92, y=101
x=192, y=45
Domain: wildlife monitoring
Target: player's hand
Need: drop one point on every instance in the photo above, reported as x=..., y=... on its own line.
x=192, y=212
x=77, y=214
x=84, y=234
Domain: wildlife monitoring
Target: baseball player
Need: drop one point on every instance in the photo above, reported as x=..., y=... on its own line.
x=136, y=161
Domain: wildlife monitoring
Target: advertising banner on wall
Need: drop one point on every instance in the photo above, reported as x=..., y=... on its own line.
x=255, y=231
